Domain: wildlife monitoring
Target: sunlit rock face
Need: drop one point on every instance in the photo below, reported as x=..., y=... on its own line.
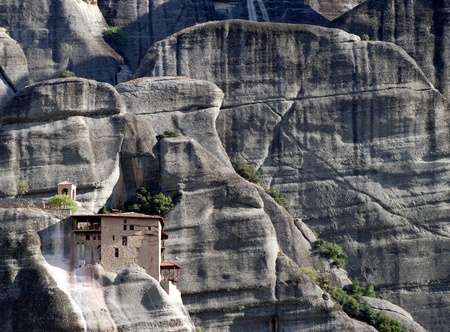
x=352, y=132
x=67, y=129
x=42, y=290
x=61, y=35
x=14, y=67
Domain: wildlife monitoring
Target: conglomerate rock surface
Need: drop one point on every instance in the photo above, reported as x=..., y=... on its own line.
x=352, y=132
x=61, y=35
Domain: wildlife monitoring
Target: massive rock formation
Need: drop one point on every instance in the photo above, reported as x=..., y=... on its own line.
x=352, y=132
x=13, y=67
x=67, y=129
x=333, y=9
x=59, y=34
x=419, y=27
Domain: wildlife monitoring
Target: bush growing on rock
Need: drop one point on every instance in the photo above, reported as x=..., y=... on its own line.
x=115, y=34
x=149, y=203
x=67, y=73
x=245, y=170
x=63, y=202
x=331, y=251
x=278, y=197
x=167, y=133
x=22, y=188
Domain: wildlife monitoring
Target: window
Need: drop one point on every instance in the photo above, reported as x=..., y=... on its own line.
x=124, y=241
x=124, y=227
x=99, y=237
x=131, y=227
x=88, y=237
x=114, y=237
x=149, y=228
x=95, y=238
x=138, y=249
x=116, y=252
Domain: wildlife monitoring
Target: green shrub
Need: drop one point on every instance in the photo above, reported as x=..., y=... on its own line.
x=357, y=289
x=149, y=203
x=331, y=251
x=245, y=170
x=278, y=197
x=310, y=272
x=67, y=74
x=115, y=34
x=63, y=202
x=167, y=133
x=28, y=83
x=22, y=188
x=365, y=37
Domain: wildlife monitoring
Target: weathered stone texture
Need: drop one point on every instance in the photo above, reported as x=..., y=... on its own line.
x=13, y=67
x=61, y=34
x=68, y=129
x=352, y=132
x=419, y=27
x=333, y=9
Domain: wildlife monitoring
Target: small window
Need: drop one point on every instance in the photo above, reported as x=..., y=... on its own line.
x=131, y=227
x=149, y=228
x=88, y=237
x=116, y=252
x=124, y=241
x=124, y=227
x=125, y=221
x=138, y=249
x=95, y=238
x=114, y=237
x=99, y=237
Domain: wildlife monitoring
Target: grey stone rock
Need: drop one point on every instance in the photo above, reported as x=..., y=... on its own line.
x=185, y=106
x=13, y=67
x=58, y=35
x=333, y=9
x=353, y=133
x=68, y=129
x=395, y=312
x=419, y=27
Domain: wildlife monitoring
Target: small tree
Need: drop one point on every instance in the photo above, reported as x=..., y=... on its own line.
x=245, y=170
x=67, y=74
x=365, y=37
x=22, y=188
x=278, y=196
x=149, y=203
x=115, y=34
x=63, y=202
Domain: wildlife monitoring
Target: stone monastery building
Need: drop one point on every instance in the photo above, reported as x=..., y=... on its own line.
x=121, y=240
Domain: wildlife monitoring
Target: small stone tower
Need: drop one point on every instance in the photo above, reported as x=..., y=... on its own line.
x=67, y=188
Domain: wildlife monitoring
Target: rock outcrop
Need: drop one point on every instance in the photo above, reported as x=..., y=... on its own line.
x=419, y=27
x=13, y=67
x=333, y=9
x=61, y=35
x=67, y=129
x=352, y=132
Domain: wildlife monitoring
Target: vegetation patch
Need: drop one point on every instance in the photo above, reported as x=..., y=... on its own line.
x=331, y=251
x=245, y=170
x=22, y=188
x=278, y=197
x=115, y=34
x=149, y=203
x=167, y=133
x=67, y=74
x=356, y=307
x=63, y=202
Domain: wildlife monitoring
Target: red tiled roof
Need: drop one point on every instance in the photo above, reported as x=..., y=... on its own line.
x=169, y=265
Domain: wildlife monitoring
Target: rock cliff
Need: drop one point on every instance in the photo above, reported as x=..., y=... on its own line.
x=60, y=35
x=354, y=133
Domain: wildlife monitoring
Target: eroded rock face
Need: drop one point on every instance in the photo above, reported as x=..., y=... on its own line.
x=68, y=129
x=225, y=239
x=61, y=35
x=14, y=67
x=352, y=132
x=333, y=9
x=419, y=27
